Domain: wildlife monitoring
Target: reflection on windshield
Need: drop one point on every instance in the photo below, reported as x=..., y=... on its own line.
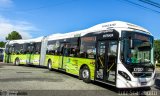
x=140, y=53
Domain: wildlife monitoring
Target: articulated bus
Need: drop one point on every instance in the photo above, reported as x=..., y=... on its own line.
x=115, y=53
x=23, y=51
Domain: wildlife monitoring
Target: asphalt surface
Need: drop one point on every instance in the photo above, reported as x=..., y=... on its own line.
x=35, y=81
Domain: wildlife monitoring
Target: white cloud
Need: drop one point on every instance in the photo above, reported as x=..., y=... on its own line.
x=23, y=27
x=6, y=3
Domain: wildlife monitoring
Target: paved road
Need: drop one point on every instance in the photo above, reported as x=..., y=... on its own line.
x=33, y=81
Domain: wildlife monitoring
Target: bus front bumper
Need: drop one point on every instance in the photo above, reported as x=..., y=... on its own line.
x=137, y=83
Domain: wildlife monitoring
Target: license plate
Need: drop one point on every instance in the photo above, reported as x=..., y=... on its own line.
x=143, y=83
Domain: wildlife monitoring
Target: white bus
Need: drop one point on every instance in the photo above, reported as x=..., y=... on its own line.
x=115, y=53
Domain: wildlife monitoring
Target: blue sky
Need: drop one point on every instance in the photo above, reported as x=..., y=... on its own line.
x=34, y=18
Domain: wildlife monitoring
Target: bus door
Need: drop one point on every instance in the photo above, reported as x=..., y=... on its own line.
x=62, y=57
x=35, y=56
x=8, y=52
x=106, y=61
x=29, y=54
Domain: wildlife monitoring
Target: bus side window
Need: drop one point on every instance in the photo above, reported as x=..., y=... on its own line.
x=37, y=48
x=21, y=50
x=6, y=50
x=24, y=48
x=16, y=49
x=87, y=49
x=65, y=49
x=58, y=51
x=73, y=52
x=53, y=48
x=30, y=49
x=11, y=50
x=74, y=47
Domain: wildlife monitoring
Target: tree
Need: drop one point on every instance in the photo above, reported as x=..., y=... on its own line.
x=157, y=50
x=2, y=44
x=14, y=35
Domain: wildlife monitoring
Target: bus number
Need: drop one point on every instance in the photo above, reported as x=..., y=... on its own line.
x=138, y=69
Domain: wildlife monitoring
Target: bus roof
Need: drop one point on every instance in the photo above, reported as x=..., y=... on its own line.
x=96, y=28
x=99, y=27
x=39, y=39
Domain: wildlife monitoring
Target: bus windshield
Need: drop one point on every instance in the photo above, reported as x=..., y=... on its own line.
x=136, y=48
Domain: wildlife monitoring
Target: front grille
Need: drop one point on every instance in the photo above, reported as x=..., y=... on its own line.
x=142, y=74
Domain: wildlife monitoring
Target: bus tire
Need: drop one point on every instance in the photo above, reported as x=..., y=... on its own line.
x=17, y=62
x=50, y=65
x=80, y=74
x=85, y=73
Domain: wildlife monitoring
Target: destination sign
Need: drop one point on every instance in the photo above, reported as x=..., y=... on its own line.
x=88, y=39
x=141, y=37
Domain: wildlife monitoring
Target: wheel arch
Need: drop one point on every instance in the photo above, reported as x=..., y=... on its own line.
x=84, y=65
x=17, y=58
x=48, y=61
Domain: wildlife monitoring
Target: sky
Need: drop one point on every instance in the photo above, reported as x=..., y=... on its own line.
x=35, y=18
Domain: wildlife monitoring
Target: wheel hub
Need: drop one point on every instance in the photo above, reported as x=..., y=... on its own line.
x=85, y=74
x=17, y=62
x=50, y=66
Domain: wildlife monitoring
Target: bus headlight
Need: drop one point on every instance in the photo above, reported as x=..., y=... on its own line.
x=124, y=75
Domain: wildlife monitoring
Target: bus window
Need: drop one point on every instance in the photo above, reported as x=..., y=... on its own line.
x=17, y=48
x=30, y=48
x=24, y=49
x=37, y=48
x=66, y=49
x=140, y=53
x=53, y=48
x=88, y=49
x=74, y=47
x=7, y=49
x=11, y=49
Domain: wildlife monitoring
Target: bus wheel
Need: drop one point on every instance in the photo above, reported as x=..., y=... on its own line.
x=17, y=62
x=50, y=65
x=80, y=74
x=85, y=73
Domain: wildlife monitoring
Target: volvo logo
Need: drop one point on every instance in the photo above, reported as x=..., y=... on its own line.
x=138, y=69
